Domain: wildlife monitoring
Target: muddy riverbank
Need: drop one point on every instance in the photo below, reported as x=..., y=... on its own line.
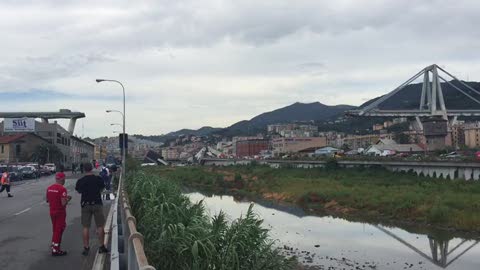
x=335, y=243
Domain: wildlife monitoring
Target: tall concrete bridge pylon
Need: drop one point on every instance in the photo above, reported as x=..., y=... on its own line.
x=432, y=99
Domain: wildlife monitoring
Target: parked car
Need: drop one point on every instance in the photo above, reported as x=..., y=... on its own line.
x=30, y=172
x=51, y=167
x=15, y=174
x=44, y=170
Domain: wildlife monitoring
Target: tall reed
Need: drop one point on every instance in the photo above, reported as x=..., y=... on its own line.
x=180, y=235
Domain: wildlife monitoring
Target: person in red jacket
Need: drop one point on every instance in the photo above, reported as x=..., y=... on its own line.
x=5, y=183
x=57, y=198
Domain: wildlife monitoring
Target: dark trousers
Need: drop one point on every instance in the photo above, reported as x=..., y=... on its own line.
x=58, y=226
x=5, y=187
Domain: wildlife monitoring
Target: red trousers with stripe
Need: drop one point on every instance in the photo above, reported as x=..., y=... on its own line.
x=59, y=224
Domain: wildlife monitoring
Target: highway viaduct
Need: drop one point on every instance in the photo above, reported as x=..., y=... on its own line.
x=445, y=170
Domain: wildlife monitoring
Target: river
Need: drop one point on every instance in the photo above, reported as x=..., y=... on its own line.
x=334, y=243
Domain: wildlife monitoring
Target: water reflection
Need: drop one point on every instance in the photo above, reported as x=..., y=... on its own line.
x=340, y=244
x=439, y=248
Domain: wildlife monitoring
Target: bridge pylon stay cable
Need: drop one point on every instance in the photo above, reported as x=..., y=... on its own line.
x=460, y=90
x=432, y=98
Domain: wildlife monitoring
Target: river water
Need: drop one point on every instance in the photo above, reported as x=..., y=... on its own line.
x=334, y=243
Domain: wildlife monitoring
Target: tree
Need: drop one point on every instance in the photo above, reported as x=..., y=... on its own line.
x=345, y=147
x=401, y=138
x=47, y=153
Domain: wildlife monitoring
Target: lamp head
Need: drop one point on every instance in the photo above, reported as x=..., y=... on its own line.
x=108, y=111
x=99, y=80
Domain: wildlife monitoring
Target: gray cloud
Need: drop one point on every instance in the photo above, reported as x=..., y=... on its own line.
x=227, y=60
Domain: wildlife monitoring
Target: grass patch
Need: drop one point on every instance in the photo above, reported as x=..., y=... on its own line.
x=375, y=194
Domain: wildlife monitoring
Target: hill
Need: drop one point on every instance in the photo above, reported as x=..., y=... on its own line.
x=203, y=131
x=322, y=115
x=297, y=112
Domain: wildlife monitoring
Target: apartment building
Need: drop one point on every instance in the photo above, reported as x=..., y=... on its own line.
x=294, y=145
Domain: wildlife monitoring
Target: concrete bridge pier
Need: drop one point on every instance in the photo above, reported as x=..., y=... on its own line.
x=476, y=174
x=468, y=173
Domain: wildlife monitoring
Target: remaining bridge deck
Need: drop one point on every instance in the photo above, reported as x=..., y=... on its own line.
x=461, y=170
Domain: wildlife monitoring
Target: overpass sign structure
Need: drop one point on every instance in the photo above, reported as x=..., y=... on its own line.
x=45, y=116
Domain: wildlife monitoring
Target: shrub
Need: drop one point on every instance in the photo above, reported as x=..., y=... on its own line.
x=179, y=234
x=331, y=164
x=438, y=213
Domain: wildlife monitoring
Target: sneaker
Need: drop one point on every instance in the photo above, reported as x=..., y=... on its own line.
x=59, y=253
x=10, y=195
x=102, y=249
x=85, y=251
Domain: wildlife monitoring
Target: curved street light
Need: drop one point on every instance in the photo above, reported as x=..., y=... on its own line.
x=124, y=159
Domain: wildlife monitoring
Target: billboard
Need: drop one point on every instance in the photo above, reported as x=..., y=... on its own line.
x=19, y=125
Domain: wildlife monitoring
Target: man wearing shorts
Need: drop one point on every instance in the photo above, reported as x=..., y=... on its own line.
x=91, y=187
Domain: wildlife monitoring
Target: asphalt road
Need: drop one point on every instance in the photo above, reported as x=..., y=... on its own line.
x=26, y=229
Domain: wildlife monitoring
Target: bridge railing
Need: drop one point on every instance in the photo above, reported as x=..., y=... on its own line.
x=131, y=243
x=127, y=249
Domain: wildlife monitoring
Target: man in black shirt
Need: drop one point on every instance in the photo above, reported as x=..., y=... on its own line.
x=91, y=187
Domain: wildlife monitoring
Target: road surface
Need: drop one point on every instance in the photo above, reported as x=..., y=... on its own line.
x=26, y=230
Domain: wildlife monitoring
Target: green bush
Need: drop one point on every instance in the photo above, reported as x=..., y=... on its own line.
x=180, y=235
x=438, y=213
x=331, y=164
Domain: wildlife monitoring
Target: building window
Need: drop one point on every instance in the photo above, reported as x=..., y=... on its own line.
x=18, y=149
x=3, y=148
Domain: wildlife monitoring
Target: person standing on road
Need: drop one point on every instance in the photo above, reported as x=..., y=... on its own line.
x=73, y=168
x=105, y=174
x=57, y=198
x=5, y=182
x=81, y=168
x=91, y=187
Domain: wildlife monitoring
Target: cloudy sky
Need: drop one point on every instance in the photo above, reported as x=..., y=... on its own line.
x=187, y=64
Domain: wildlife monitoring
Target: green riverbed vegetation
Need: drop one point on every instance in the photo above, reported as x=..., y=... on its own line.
x=372, y=195
x=180, y=235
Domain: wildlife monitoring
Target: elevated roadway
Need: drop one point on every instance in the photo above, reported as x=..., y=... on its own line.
x=438, y=169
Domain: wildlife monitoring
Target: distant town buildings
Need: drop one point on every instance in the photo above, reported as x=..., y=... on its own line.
x=472, y=135
x=251, y=147
x=293, y=145
x=292, y=130
x=81, y=150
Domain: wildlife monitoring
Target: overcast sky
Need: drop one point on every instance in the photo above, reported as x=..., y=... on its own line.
x=188, y=64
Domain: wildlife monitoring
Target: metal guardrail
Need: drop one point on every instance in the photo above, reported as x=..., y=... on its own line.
x=101, y=258
x=127, y=251
x=130, y=241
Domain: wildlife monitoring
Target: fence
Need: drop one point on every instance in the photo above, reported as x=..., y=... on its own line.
x=127, y=252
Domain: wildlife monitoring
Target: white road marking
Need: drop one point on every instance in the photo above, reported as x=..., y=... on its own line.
x=23, y=211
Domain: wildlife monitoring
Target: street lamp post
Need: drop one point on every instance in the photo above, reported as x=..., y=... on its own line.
x=124, y=159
